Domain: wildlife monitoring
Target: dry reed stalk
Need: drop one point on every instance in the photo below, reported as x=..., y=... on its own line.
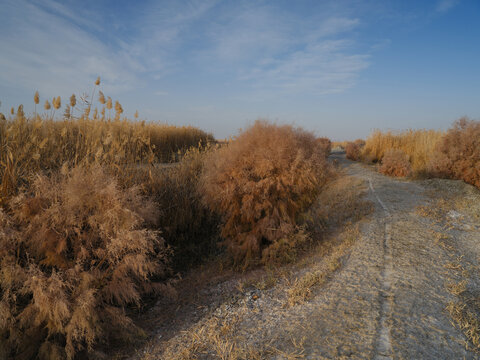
x=418, y=145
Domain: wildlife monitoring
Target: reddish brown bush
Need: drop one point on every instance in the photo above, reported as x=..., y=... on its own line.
x=395, y=163
x=458, y=153
x=325, y=145
x=360, y=142
x=353, y=151
x=260, y=183
x=73, y=252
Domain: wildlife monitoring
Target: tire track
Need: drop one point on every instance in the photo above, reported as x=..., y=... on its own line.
x=383, y=346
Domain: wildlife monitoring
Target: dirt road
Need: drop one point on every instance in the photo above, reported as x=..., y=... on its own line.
x=400, y=291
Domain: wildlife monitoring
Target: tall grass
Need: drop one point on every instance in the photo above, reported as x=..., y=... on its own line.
x=454, y=154
x=40, y=143
x=418, y=145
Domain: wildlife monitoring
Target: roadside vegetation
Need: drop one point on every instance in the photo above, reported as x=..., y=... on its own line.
x=454, y=154
x=98, y=213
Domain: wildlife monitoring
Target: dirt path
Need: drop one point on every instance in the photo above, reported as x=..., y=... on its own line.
x=385, y=297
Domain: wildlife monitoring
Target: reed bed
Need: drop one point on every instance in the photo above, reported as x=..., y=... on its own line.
x=418, y=145
x=42, y=144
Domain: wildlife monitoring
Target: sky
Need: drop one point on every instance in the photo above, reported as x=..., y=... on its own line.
x=338, y=68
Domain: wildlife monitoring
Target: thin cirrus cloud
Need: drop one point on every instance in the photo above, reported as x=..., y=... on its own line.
x=258, y=47
x=45, y=50
x=321, y=68
x=277, y=53
x=446, y=5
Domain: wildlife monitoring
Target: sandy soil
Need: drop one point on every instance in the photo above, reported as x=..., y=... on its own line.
x=385, y=297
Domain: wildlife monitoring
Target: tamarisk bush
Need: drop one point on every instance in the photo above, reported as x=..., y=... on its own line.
x=74, y=251
x=457, y=155
x=260, y=183
x=395, y=163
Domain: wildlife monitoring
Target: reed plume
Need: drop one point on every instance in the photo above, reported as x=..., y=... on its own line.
x=20, y=113
x=97, y=82
x=58, y=103
x=73, y=102
x=118, y=110
x=36, y=100
x=109, y=105
x=101, y=97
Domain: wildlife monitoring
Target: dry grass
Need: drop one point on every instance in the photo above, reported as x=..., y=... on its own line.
x=467, y=321
x=222, y=338
x=40, y=143
x=79, y=243
x=418, y=145
x=454, y=154
x=465, y=310
x=303, y=287
x=214, y=339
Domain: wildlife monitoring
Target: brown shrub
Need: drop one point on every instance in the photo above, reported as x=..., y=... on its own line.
x=458, y=153
x=360, y=142
x=395, y=163
x=353, y=151
x=325, y=145
x=74, y=251
x=187, y=224
x=260, y=183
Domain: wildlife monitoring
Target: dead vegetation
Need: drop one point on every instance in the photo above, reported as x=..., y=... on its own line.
x=395, y=163
x=418, y=145
x=303, y=287
x=424, y=153
x=225, y=332
x=260, y=184
x=43, y=143
x=91, y=222
x=75, y=250
x=353, y=151
x=457, y=155
x=465, y=309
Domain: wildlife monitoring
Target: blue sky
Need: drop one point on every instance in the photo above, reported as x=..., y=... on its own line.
x=339, y=68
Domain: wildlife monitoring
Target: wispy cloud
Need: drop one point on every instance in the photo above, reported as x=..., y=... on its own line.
x=322, y=68
x=46, y=51
x=446, y=5
x=58, y=48
x=280, y=53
